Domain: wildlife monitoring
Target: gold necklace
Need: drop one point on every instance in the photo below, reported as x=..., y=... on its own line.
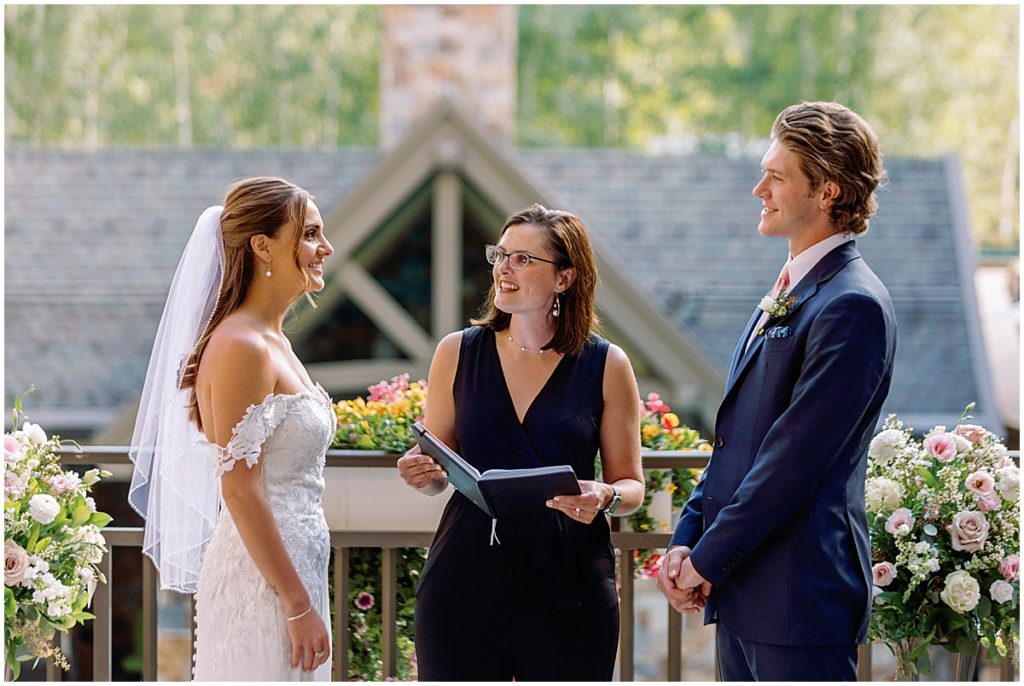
x=525, y=349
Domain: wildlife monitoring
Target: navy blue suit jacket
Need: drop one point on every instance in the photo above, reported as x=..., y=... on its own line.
x=777, y=523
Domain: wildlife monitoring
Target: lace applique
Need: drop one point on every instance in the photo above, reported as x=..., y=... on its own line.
x=250, y=432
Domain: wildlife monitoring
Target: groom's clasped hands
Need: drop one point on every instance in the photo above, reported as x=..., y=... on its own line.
x=679, y=581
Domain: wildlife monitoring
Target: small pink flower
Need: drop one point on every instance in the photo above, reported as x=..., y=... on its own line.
x=883, y=573
x=12, y=449
x=972, y=432
x=14, y=485
x=1010, y=568
x=900, y=522
x=62, y=483
x=942, y=446
x=980, y=482
x=988, y=502
x=655, y=404
x=364, y=601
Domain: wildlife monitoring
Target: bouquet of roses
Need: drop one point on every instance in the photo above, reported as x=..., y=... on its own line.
x=52, y=544
x=660, y=430
x=383, y=421
x=944, y=516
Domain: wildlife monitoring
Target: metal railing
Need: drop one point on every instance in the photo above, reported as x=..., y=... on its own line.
x=389, y=543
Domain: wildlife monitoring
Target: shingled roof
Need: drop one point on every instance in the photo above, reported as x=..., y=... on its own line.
x=92, y=239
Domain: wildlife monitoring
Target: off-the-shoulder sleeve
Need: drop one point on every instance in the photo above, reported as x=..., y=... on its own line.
x=249, y=434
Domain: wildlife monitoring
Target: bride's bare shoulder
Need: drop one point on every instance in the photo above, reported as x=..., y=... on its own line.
x=236, y=346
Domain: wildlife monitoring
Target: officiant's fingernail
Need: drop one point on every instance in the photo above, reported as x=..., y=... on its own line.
x=550, y=503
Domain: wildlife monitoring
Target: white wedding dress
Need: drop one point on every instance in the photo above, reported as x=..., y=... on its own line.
x=241, y=634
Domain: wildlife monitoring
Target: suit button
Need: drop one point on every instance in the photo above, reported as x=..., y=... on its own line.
x=719, y=442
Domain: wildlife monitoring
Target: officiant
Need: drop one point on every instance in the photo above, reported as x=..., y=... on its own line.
x=530, y=384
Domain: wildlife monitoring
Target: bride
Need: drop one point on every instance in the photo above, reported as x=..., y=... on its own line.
x=230, y=441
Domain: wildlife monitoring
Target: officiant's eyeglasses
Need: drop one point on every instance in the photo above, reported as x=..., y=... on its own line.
x=518, y=260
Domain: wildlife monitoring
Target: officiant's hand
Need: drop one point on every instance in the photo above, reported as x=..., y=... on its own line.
x=422, y=472
x=687, y=600
x=587, y=505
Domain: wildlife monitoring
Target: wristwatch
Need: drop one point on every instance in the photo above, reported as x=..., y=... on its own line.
x=613, y=504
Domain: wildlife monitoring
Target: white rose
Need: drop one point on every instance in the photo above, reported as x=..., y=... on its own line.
x=34, y=432
x=43, y=508
x=1008, y=483
x=962, y=592
x=885, y=445
x=882, y=494
x=767, y=304
x=1001, y=592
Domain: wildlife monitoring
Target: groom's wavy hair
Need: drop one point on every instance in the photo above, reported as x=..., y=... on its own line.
x=834, y=143
x=260, y=205
x=569, y=243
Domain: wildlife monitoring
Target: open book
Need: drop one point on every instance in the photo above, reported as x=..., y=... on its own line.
x=500, y=492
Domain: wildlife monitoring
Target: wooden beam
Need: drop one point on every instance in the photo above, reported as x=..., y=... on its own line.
x=446, y=255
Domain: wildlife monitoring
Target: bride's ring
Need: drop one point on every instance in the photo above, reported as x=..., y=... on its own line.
x=577, y=512
x=318, y=653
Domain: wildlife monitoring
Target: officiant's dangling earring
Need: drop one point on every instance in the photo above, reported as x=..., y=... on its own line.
x=557, y=308
x=268, y=269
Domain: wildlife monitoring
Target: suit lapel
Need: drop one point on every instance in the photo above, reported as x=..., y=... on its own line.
x=826, y=268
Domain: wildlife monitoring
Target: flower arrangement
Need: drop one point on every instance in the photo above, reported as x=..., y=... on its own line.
x=52, y=544
x=383, y=420
x=660, y=430
x=944, y=516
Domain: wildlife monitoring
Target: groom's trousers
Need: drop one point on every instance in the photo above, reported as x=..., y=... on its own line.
x=741, y=660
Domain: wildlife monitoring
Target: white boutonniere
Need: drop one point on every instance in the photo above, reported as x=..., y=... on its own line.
x=776, y=307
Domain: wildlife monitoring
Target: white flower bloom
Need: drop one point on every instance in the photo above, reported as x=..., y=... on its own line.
x=885, y=445
x=767, y=303
x=922, y=547
x=962, y=444
x=34, y=432
x=875, y=592
x=1008, y=483
x=881, y=494
x=1000, y=591
x=91, y=477
x=961, y=592
x=91, y=504
x=932, y=565
x=43, y=508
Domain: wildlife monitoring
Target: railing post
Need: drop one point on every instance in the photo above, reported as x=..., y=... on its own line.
x=864, y=662
x=149, y=620
x=627, y=622
x=341, y=610
x=675, y=645
x=388, y=609
x=101, y=638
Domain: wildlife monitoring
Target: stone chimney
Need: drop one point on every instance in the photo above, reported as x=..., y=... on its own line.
x=465, y=53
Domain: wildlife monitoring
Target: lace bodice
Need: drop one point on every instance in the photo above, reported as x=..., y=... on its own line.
x=241, y=631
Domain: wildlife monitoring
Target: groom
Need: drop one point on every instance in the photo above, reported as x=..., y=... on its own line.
x=774, y=539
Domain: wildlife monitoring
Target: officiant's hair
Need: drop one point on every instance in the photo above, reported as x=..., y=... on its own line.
x=259, y=205
x=834, y=143
x=569, y=242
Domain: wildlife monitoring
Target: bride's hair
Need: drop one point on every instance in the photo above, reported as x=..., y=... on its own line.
x=253, y=206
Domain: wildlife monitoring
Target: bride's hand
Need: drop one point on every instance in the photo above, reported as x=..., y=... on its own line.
x=311, y=644
x=422, y=472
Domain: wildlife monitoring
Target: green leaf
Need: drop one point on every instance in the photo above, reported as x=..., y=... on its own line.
x=984, y=608
x=10, y=605
x=42, y=543
x=928, y=477
x=33, y=536
x=82, y=513
x=100, y=519
x=923, y=662
x=966, y=646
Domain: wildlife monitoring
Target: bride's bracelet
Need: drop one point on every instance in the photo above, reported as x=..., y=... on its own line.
x=301, y=614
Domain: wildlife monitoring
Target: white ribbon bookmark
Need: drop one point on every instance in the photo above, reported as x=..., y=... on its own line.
x=494, y=531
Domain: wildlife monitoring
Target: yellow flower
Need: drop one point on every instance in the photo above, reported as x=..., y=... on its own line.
x=650, y=431
x=671, y=488
x=671, y=419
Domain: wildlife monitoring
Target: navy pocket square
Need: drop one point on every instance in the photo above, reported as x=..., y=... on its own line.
x=779, y=332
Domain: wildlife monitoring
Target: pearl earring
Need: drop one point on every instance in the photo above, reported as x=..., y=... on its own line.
x=557, y=309
x=268, y=269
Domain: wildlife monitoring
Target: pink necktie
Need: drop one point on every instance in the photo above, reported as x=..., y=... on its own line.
x=782, y=283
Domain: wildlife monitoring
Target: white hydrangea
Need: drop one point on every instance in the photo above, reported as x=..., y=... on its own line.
x=93, y=543
x=882, y=494
x=885, y=445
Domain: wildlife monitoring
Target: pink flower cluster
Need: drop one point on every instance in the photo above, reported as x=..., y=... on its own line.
x=654, y=403
x=390, y=392
x=1010, y=568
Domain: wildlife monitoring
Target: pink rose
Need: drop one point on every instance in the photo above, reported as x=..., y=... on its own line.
x=883, y=573
x=15, y=563
x=12, y=449
x=988, y=502
x=942, y=446
x=62, y=483
x=900, y=522
x=14, y=485
x=968, y=531
x=972, y=432
x=980, y=482
x=1010, y=568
